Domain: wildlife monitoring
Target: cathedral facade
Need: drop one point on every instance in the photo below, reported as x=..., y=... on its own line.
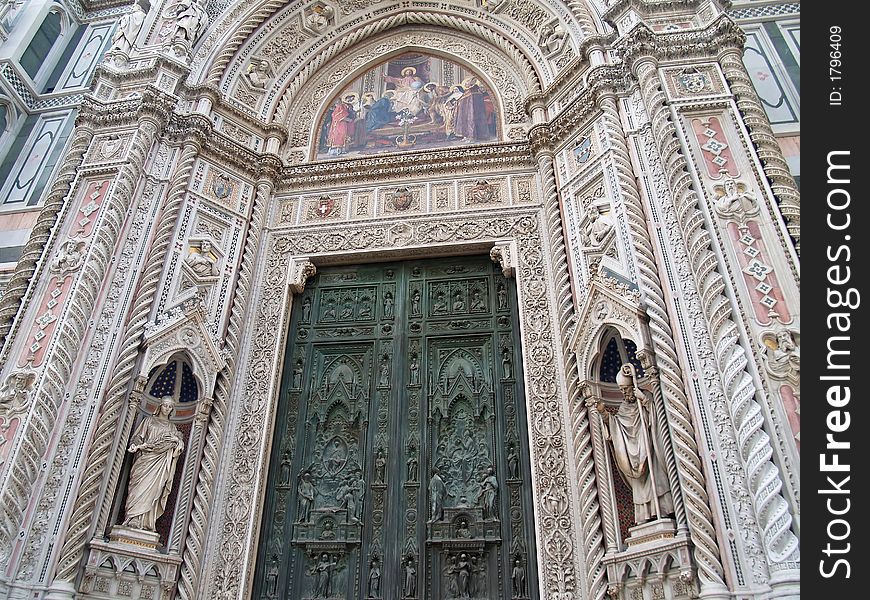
x=361, y=299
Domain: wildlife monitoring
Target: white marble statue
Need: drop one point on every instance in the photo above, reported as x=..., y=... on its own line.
x=636, y=450
x=598, y=225
x=190, y=20
x=204, y=262
x=157, y=443
x=128, y=30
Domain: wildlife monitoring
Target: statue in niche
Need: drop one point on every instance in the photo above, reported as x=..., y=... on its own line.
x=437, y=495
x=272, y=577
x=501, y=293
x=384, y=380
x=203, y=262
x=513, y=461
x=259, y=74
x=489, y=494
x=189, y=21
x=375, y=578
x=285, y=468
x=297, y=375
x=506, y=363
x=462, y=530
x=15, y=391
x=328, y=531
x=389, y=305
x=415, y=370
x=636, y=450
x=412, y=464
x=305, y=491
x=518, y=579
x=306, y=309
x=783, y=353
x=415, y=302
x=322, y=572
x=157, y=443
x=380, y=466
x=409, y=589
x=598, y=225
x=128, y=30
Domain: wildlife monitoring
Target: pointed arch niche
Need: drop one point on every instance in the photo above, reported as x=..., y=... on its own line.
x=414, y=100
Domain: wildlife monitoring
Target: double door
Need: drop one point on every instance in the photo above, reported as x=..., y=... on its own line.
x=400, y=460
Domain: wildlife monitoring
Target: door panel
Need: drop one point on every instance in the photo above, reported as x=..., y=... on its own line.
x=400, y=460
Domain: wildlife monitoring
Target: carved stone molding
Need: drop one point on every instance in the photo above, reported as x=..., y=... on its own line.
x=232, y=558
x=504, y=253
x=299, y=270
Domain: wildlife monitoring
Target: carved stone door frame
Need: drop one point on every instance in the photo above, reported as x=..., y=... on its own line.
x=518, y=238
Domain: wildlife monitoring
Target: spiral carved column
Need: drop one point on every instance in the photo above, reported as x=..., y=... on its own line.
x=769, y=152
x=116, y=418
x=753, y=444
x=679, y=417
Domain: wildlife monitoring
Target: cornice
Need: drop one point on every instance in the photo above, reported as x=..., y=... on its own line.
x=152, y=102
x=722, y=33
x=491, y=157
x=652, y=8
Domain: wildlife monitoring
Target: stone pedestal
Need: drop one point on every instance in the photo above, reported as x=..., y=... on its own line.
x=136, y=537
x=651, y=532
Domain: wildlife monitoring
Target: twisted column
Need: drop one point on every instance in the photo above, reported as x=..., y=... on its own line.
x=679, y=416
x=25, y=466
x=593, y=540
x=752, y=442
x=191, y=565
x=114, y=424
x=599, y=452
x=769, y=152
x=16, y=293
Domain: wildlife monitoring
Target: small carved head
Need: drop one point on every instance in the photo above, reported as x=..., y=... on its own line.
x=166, y=407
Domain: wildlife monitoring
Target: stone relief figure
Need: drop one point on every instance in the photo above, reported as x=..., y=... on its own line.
x=518, y=579
x=734, y=201
x=157, y=444
x=463, y=575
x=15, y=392
x=598, y=225
x=319, y=17
x=69, y=257
x=189, y=21
x=259, y=74
x=375, y=578
x=782, y=353
x=437, y=495
x=637, y=451
x=322, y=572
x=305, y=491
x=128, y=29
x=203, y=262
x=552, y=35
x=409, y=589
x=489, y=494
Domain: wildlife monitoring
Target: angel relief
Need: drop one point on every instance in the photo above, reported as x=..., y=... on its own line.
x=411, y=102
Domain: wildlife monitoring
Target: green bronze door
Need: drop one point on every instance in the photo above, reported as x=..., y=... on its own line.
x=400, y=461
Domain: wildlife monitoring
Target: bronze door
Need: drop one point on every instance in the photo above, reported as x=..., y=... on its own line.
x=400, y=461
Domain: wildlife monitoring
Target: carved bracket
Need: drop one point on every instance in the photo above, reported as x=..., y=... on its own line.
x=505, y=254
x=299, y=270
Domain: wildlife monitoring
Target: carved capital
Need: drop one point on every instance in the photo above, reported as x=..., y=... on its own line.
x=300, y=270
